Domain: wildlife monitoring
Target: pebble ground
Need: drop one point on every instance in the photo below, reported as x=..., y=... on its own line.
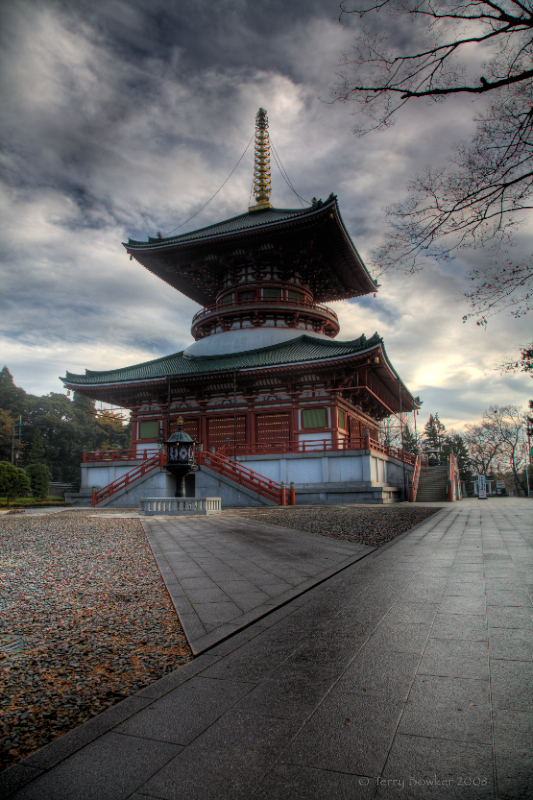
x=85, y=620
x=371, y=526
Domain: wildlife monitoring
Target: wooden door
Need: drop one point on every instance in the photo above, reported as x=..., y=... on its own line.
x=190, y=426
x=272, y=428
x=219, y=429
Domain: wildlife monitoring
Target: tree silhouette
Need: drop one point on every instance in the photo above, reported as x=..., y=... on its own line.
x=416, y=51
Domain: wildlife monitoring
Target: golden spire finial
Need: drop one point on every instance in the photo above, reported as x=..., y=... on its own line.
x=262, y=177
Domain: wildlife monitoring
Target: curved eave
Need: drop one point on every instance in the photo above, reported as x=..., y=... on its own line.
x=156, y=255
x=366, y=281
x=409, y=403
x=384, y=371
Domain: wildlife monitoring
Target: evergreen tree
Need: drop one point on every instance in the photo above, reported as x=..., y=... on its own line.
x=409, y=441
x=39, y=477
x=434, y=432
x=66, y=430
x=13, y=481
x=12, y=399
x=37, y=452
x=6, y=431
x=455, y=444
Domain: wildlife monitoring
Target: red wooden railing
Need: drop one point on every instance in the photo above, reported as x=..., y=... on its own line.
x=317, y=445
x=133, y=454
x=274, y=302
x=413, y=488
x=267, y=448
x=453, y=473
x=158, y=460
x=246, y=477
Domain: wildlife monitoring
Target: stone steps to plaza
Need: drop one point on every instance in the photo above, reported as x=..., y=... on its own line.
x=433, y=485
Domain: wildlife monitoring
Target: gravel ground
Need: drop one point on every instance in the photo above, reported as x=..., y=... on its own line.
x=371, y=526
x=85, y=621
x=85, y=618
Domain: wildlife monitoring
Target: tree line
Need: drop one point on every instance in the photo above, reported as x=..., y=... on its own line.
x=54, y=432
x=497, y=446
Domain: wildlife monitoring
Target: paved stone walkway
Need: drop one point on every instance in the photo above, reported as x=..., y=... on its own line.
x=407, y=675
x=222, y=573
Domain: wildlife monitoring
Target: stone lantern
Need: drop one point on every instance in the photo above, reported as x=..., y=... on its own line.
x=180, y=457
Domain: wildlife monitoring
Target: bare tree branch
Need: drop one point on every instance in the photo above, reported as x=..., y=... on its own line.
x=487, y=187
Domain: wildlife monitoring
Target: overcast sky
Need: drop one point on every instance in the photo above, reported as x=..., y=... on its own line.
x=121, y=119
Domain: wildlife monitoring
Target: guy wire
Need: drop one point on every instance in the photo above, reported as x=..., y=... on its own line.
x=284, y=173
x=217, y=191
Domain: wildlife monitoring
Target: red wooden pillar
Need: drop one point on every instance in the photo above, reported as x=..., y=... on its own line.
x=335, y=424
x=135, y=433
x=250, y=431
x=451, y=477
x=367, y=439
x=203, y=430
x=294, y=429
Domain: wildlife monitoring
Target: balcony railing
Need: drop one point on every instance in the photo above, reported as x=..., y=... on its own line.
x=316, y=446
x=274, y=302
x=134, y=454
x=268, y=448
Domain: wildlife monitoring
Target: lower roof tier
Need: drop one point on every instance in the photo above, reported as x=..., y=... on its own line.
x=345, y=367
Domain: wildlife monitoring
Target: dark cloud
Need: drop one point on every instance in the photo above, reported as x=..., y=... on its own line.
x=120, y=119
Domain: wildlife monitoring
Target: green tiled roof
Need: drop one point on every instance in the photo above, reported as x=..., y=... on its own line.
x=304, y=348
x=251, y=219
x=194, y=262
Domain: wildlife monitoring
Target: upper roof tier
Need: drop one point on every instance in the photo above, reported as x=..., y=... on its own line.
x=310, y=242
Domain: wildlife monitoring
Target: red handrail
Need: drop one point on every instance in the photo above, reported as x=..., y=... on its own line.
x=158, y=460
x=453, y=471
x=246, y=477
x=413, y=489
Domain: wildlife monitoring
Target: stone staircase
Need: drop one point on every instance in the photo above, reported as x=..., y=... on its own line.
x=433, y=485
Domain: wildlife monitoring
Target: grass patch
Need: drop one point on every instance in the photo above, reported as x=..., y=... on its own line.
x=32, y=502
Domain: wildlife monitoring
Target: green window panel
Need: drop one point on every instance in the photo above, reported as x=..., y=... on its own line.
x=149, y=430
x=271, y=293
x=314, y=418
x=295, y=296
x=341, y=419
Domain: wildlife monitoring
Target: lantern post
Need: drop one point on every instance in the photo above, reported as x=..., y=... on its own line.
x=180, y=457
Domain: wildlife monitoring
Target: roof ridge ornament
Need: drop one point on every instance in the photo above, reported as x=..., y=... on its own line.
x=262, y=177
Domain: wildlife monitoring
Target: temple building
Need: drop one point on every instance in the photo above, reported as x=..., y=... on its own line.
x=265, y=380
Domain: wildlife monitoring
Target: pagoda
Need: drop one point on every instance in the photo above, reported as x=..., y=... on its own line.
x=265, y=373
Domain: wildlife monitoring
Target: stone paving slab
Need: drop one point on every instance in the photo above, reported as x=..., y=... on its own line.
x=222, y=574
x=334, y=695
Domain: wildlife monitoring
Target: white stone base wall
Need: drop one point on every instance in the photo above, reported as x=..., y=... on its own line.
x=337, y=477
x=330, y=467
x=103, y=473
